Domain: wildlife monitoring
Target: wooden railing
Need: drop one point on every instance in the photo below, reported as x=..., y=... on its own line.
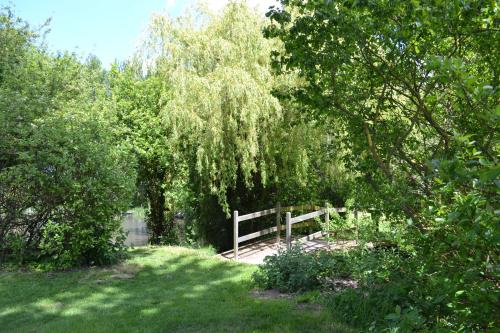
x=319, y=211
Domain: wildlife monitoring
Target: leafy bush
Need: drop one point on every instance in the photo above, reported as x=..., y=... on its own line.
x=376, y=291
x=64, y=176
x=457, y=273
x=288, y=271
x=65, y=245
x=65, y=194
x=392, y=289
x=380, y=300
x=14, y=249
x=295, y=270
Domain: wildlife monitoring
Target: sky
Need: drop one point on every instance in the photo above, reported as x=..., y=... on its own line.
x=109, y=29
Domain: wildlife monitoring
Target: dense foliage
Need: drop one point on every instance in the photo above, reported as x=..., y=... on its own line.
x=63, y=177
x=402, y=78
x=414, y=87
x=223, y=139
x=138, y=105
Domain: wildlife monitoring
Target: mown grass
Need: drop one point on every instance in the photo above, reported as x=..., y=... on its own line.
x=163, y=289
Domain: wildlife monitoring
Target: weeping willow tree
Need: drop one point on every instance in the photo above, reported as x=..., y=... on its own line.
x=221, y=105
x=242, y=146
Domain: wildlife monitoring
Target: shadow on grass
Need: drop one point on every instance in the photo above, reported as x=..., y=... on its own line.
x=164, y=290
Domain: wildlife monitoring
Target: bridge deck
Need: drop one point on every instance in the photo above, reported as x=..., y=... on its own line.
x=254, y=253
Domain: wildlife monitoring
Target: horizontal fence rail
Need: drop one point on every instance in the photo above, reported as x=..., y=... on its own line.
x=257, y=234
x=319, y=211
x=308, y=216
x=257, y=214
x=301, y=218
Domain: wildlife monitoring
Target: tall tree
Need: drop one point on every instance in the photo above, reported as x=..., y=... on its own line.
x=220, y=96
x=138, y=100
x=221, y=112
x=402, y=77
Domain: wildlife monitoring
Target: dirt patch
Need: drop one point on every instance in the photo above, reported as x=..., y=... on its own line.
x=93, y=275
x=123, y=271
x=338, y=284
x=128, y=268
x=270, y=294
x=305, y=305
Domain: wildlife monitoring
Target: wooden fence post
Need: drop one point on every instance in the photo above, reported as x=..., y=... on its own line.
x=288, y=231
x=278, y=222
x=235, y=234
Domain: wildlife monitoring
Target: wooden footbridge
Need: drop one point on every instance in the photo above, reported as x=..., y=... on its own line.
x=255, y=252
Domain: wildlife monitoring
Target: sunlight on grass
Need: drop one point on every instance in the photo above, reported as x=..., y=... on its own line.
x=169, y=289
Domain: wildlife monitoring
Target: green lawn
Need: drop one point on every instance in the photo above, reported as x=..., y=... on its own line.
x=164, y=289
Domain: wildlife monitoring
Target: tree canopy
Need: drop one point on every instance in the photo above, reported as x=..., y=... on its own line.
x=414, y=88
x=403, y=78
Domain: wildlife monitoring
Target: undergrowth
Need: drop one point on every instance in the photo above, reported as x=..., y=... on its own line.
x=376, y=289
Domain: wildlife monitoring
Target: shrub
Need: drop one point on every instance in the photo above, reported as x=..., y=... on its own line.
x=288, y=271
x=296, y=270
x=64, y=196
x=14, y=249
x=64, y=175
x=64, y=245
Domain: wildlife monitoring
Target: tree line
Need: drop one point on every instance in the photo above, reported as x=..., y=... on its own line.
x=192, y=123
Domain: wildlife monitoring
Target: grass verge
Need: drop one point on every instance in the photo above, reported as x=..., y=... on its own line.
x=162, y=289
